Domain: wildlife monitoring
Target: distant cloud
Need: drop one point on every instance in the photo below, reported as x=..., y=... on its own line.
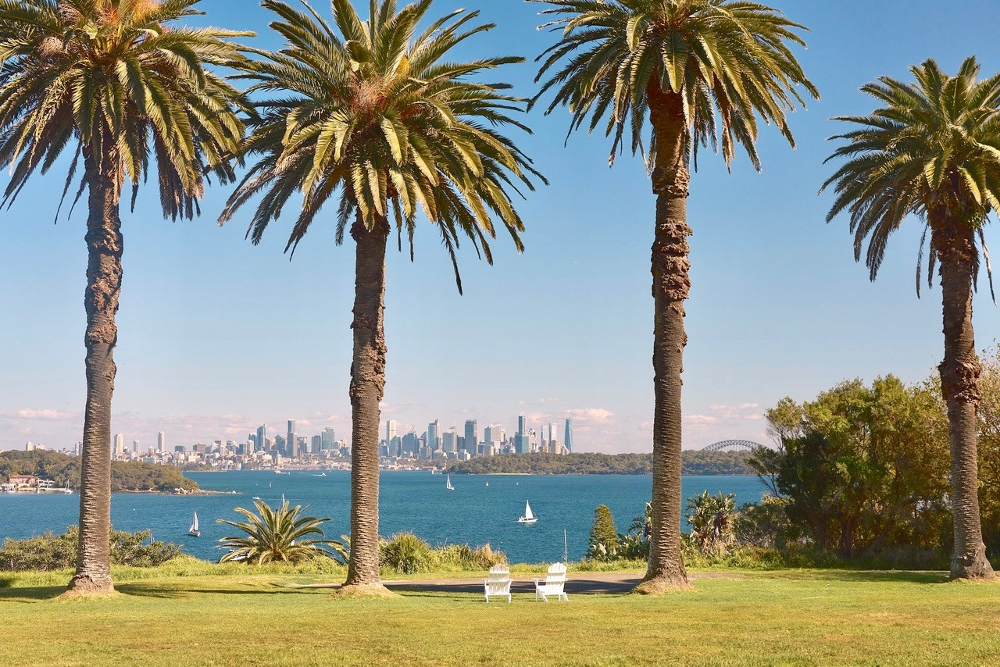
x=39, y=415
x=592, y=416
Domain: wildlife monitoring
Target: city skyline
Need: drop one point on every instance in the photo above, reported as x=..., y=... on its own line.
x=219, y=336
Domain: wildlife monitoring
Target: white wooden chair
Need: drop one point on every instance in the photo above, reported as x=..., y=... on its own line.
x=498, y=584
x=553, y=584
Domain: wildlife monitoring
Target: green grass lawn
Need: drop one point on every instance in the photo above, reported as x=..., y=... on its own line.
x=789, y=617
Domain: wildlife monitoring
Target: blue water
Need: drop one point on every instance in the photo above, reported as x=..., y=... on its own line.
x=473, y=513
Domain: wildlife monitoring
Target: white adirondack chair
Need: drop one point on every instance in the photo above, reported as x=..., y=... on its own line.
x=498, y=584
x=552, y=584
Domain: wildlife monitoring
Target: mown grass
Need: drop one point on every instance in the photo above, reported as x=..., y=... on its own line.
x=186, y=615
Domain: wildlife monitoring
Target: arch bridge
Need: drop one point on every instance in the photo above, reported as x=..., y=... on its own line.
x=734, y=446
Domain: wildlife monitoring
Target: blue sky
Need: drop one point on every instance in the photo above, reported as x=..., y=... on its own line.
x=217, y=336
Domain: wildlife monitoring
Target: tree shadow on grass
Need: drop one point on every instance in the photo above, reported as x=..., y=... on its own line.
x=31, y=593
x=868, y=576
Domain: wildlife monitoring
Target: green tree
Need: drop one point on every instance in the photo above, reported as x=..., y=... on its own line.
x=380, y=119
x=989, y=450
x=864, y=470
x=701, y=71
x=933, y=151
x=122, y=86
x=603, y=543
x=275, y=535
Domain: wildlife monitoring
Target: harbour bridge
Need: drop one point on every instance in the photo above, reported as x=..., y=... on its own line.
x=733, y=446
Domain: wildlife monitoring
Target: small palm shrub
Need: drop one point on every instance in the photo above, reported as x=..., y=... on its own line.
x=275, y=535
x=711, y=519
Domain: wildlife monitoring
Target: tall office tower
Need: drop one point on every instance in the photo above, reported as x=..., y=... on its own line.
x=568, y=439
x=262, y=437
x=135, y=446
x=449, y=441
x=317, y=444
x=432, y=435
x=472, y=437
x=291, y=442
x=119, y=445
x=390, y=429
x=249, y=446
x=329, y=437
x=552, y=431
x=411, y=445
x=161, y=442
x=520, y=425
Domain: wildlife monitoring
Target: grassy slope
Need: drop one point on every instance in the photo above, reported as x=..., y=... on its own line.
x=804, y=617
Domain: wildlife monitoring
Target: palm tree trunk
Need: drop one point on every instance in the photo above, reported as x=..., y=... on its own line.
x=960, y=371
x=104, y=279
x=367, y=388
x=671, y=285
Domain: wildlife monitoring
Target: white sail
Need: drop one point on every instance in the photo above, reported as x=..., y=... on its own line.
x=448, y=484
x=194, y=523
x=527, y=511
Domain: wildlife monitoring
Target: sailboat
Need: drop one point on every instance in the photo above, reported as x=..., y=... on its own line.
x=448, y=484
x=528, y=516
x=194, y=526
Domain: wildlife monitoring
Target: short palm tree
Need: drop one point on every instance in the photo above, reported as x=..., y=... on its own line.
x=932, y=150
x=275, y=535
x=702, y=71
x=373, y=115
x=117, y=84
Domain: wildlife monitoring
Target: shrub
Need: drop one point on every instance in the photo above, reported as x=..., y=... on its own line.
x=406, y=553
x=275, y=534
x=48, y=552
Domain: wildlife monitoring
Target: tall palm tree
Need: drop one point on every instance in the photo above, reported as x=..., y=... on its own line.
x=933, y=151
x=373, y=115
x=698, y=69
x=120, y=86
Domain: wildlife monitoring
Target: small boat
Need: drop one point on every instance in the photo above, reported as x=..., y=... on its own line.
x=256, y=497
x=487, y=483
x=448, y=484
x=194, y=526
x=528, y=516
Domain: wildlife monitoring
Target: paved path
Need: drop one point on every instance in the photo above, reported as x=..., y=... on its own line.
x=581, y=582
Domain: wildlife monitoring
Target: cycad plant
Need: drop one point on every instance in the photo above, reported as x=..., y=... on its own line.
x=702, y=72
x=381, y=120
x=932, y=151
x=275, y=535
x=127, y=92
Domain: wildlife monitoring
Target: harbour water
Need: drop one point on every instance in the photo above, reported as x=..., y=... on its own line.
x=482, y=508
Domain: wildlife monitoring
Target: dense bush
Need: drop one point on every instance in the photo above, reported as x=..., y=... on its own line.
x=58, y=552
x=604, y=538
x=694, y=462
x=406, y=553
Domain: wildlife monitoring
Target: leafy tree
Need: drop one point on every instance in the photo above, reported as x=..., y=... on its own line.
x=603, y=543
x=275, y=535
x=932, y=150
x=865, y=468
x=988, y=417
x=114, y=80
x=711, y=519
x=699, y=70
x=372, y=114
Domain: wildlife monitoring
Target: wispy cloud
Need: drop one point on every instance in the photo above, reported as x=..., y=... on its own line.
x=39, y=415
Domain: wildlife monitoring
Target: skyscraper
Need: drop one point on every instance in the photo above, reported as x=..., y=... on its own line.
x=432, y=435
x=568, y=439
x=291, y=441
x=329, y=437
x=472, y=437
x=552, y=431
x=262, y=437
x=449, y=441
x=520, y=425
x=390, y=430
x=161, y=442
x=119, y=445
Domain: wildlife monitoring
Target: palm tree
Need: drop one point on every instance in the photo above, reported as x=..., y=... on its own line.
x=275, y=535
x=933, y=150
x=115, y=82
x=373, y=115
x=698, y=69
